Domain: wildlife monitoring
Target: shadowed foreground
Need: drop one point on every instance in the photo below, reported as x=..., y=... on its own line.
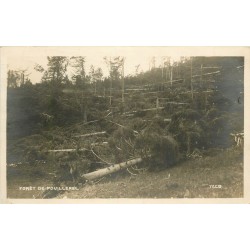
x=189, y=179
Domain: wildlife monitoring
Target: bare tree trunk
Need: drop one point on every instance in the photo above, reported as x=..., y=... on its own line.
x=111, y=169
x=85, y=116
x=80, y=149
x=188, y=144
x=123, y=81
x=157, y=104
x=22, y=78
x=201, y=76
x=66, y=150
x=171, y=75
x=111, y=84
x=192, y=94
x=91, y=134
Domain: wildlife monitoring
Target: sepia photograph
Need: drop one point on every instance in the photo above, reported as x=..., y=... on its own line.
x=87, y=123
x=124, y=125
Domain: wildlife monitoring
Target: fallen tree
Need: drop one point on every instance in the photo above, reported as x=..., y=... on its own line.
x=122, y=126
x=91, y=134
x=142, y=110
x=66, y=150
x=111, y=169
x=158, y=150
x=79, y=149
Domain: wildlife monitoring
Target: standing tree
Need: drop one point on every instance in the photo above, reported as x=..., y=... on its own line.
x=98, y=76
x=55, y=76
x=116, y=66
x=80, y=79
x=137, y=69
x=78, y=64
x=13, y=78
x=152, y=63
x=91, y=74
x=95, y=75
x=28, y=82
x=167, y=65
x=17, y=78
x=57, y=68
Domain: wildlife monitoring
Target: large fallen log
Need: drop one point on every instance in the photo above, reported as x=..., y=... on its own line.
x=199, y=92
x=164, y=120
x=122, y=126
x=134, y=89
x=207, y=74
x=66, y=150
x=80, y=149
x=91, y=134
x=177, y=103
x=111, y=169
x=142, y=110
x=98, y=143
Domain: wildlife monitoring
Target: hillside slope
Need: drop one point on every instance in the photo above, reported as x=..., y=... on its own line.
x=189, y=179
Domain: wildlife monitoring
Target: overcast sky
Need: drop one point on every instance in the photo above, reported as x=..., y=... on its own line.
x=28, y=57
x=28, y=63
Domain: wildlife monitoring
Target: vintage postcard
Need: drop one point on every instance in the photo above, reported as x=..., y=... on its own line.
x=124, y=125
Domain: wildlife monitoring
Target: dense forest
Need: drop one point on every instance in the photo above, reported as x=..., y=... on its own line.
x=67, y=128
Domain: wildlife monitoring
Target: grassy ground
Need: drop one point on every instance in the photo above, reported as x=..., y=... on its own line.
x=188, y=179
